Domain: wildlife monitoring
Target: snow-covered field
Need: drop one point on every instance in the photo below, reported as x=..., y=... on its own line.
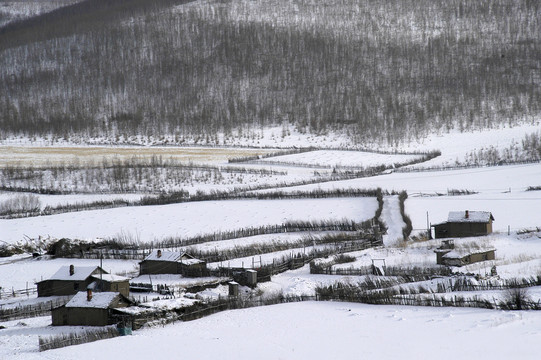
x=455, y=145
x=342, y=158
x=149, y=223
x=501, y=190
x=516, y=210
x=311, y=330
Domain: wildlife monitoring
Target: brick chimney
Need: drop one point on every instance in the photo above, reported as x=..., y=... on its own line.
x=159, y=253
x=72, y=270
x=467, y=214
x=88, y=294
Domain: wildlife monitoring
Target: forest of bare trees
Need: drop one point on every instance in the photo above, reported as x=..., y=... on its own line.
x=385, y=70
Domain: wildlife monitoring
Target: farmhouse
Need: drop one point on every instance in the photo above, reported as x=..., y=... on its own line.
x=87, y=308
x=449, y=256
x=68, y=280
x=108, y=282
x=169, y=262
x=464, y=224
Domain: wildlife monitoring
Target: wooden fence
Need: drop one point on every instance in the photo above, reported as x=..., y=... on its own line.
x=461, y=167
x=63, y=340
x=6, y=293
x=28, y=311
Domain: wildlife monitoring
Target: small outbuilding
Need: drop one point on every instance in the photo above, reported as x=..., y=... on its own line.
x=464, y=224
x=170, y=262
x=113, y=283
x=90, y=309
x=448, y=255
x=68, y=280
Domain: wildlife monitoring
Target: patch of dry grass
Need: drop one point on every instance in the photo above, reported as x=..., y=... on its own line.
x=47, y=156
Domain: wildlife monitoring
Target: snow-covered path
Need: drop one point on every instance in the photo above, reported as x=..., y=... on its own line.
x=393, y=220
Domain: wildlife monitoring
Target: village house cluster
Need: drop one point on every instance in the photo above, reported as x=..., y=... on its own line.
x=100, y=298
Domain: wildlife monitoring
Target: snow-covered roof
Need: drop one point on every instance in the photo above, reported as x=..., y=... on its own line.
x=191, y=261
x=80, y=273
x=100, y=300
x=173, y=256
x=110, y=277
x=460, y=253
x=472, y=216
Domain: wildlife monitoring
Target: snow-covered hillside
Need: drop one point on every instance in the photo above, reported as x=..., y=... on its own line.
x=311, y=330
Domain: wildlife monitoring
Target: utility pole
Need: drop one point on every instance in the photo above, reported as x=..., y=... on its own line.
x=429, y=233
x=101, y=271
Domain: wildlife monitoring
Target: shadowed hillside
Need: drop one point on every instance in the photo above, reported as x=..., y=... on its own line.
x=379, y=70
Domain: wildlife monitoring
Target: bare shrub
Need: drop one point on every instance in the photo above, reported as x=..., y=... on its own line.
x=344, y=258
x=516, y=298
x=20, y=203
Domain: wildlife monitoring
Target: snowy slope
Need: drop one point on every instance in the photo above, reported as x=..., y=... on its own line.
x=325, y=331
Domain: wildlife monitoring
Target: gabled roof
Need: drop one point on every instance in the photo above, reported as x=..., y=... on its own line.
x=100, y=300
x=80, y=273
x=110, y=278
x=472, y=216
x=172, y=256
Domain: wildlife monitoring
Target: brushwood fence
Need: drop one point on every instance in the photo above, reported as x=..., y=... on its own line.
x=465, y=284
x=468, y=166
x=203, y=309
x=63, y=340
x=28, y=311
x=119, y=249
x=422, y=273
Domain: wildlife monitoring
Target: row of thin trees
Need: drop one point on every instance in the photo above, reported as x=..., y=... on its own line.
x=377, y=70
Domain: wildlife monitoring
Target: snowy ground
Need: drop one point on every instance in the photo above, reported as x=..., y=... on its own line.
x=455, y=145
x=283, y=238
x=315, y=330
x=516, y=255
x=341, y=158
x=19, y=339
x=148, y=223
x=312, y=330
x=501, y=190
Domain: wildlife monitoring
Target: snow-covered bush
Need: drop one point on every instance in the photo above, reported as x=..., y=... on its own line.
x=20, y=203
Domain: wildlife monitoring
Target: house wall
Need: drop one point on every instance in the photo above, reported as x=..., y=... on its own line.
x=465, y=229
x=86, y=316
x=194, y=270
x=79, y=316
x=158, y=267
x=469, y=259
x=439, y=257
x=473, y=258
x=440, y=231
x=61, y=287
x=461, y=229
x=122, y=287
